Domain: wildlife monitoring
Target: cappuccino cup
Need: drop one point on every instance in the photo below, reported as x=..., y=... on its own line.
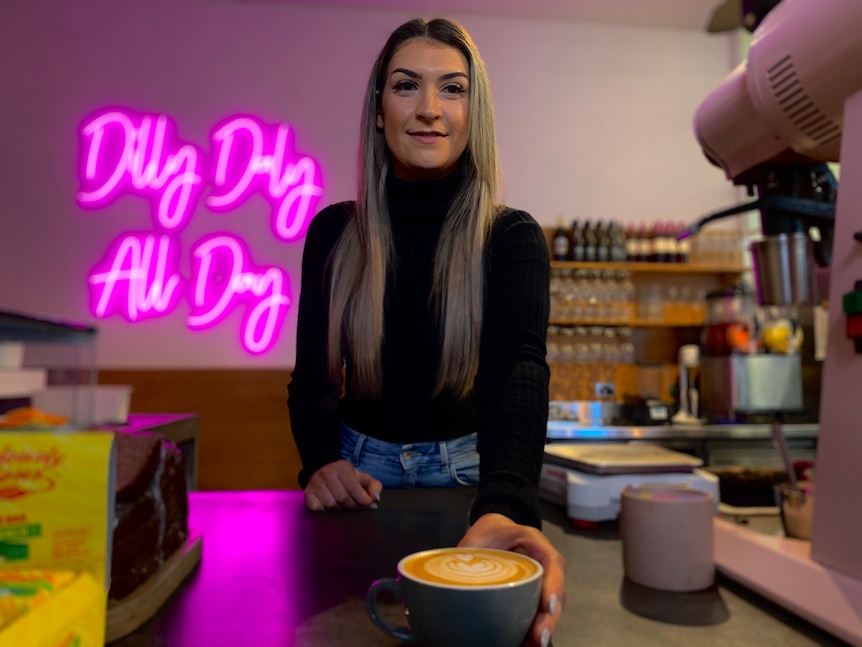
x=460, y=597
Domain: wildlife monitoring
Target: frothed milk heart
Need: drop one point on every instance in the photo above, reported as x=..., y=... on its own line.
x=469, y=567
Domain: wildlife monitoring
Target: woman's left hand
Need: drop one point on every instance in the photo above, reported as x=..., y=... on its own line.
x=498, y=531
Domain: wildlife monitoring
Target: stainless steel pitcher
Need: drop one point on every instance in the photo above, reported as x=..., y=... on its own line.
x=785, y=270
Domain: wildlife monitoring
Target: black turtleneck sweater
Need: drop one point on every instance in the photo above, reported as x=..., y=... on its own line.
x=509, y=403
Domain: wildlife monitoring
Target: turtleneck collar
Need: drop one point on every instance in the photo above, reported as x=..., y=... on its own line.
x=412, y=198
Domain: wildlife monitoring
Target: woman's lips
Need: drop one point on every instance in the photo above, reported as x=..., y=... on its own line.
x=427, y=137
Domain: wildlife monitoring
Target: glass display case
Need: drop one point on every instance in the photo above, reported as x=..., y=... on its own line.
x=45, y=365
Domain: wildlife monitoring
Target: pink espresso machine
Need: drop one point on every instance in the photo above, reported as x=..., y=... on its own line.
x=792, y=106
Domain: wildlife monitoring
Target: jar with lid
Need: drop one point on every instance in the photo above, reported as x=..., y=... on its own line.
x=731, y=322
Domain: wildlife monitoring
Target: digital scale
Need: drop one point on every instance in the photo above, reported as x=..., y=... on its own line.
x=588, y=479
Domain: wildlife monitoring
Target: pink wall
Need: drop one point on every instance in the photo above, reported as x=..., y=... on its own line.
x=571, y=133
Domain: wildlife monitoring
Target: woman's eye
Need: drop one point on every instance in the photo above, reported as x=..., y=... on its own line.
x=453, y=88
x=404, y=85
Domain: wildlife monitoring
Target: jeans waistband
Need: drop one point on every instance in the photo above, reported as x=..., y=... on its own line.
x=445, y=448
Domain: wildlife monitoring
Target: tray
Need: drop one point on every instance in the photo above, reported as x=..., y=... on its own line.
x=744, y=512
x=619, y=458
x=126, y=615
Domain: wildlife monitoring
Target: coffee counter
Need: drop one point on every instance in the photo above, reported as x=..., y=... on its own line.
x=275, y=575
x=716, y=445
x=567, y=430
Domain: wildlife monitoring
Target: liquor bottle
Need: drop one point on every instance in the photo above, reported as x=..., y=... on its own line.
x=650, y=251
x=632, y=243
x=579, y=252
x=668, y=243
x=613, y=254
x=603, y=243
x=590, y=243
x=675, y=245
x=660, y=240
x=642, y=243
x=562, y=244
x=684, y=246
x=618, y=243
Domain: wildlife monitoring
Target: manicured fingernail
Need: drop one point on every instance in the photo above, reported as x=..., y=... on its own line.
x=373, y=506
x=546, y=637
x=377, y=496
x=552, y=604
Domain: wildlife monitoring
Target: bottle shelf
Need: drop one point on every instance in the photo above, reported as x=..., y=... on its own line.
x=652, y=268
x=628, y=323
x=646, y=310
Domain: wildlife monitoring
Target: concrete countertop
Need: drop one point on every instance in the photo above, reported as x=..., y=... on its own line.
x=275, y=575
x=606, y=609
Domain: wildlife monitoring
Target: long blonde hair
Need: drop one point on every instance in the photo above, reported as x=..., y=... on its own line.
x=364, y=253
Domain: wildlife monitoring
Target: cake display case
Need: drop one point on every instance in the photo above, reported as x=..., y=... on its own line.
x=49, y=384
x=40, y=356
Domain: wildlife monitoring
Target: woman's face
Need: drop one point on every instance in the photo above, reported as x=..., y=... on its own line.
x=425, y=109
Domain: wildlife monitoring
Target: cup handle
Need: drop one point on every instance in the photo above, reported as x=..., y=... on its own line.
x=386, y=584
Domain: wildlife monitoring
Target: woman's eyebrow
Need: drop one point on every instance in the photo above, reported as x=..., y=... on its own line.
x=416, y=75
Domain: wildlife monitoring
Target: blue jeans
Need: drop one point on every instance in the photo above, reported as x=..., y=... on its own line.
x=449, y=463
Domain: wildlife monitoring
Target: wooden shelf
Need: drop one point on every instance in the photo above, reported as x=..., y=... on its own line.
x=633, y=323
x=571, y=382
x=653, y=268
x=677, y=320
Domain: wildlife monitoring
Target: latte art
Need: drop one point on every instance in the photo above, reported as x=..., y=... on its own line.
x=469, y=567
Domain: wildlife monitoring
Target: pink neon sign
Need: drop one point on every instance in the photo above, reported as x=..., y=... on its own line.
x=146, y=266
x=128, y=157
x=288, y=180
x=124, y=153
x=264, y=288
x=139, y=277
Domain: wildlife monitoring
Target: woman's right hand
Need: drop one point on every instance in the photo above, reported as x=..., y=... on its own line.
x=340, y=486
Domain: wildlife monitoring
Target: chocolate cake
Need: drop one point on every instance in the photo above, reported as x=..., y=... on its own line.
x=151, y=510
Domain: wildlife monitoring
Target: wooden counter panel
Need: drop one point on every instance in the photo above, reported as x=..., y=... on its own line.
x=245, y=438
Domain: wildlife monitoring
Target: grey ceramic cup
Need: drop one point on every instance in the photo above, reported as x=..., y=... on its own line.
x=667, y=534
x=453, y=615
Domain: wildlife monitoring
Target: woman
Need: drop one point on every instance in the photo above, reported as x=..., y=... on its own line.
x=423, y=312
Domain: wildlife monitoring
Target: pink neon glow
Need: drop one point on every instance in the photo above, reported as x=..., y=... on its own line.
x=150, y=284
x=224, y=256
x=291, y=181
x=124, y=157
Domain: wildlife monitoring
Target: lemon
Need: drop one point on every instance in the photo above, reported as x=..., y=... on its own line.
x=782, y=336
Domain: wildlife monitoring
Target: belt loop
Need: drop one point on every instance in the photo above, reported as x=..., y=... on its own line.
x=360, y=441
x=358, y=438
x=444, y=453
